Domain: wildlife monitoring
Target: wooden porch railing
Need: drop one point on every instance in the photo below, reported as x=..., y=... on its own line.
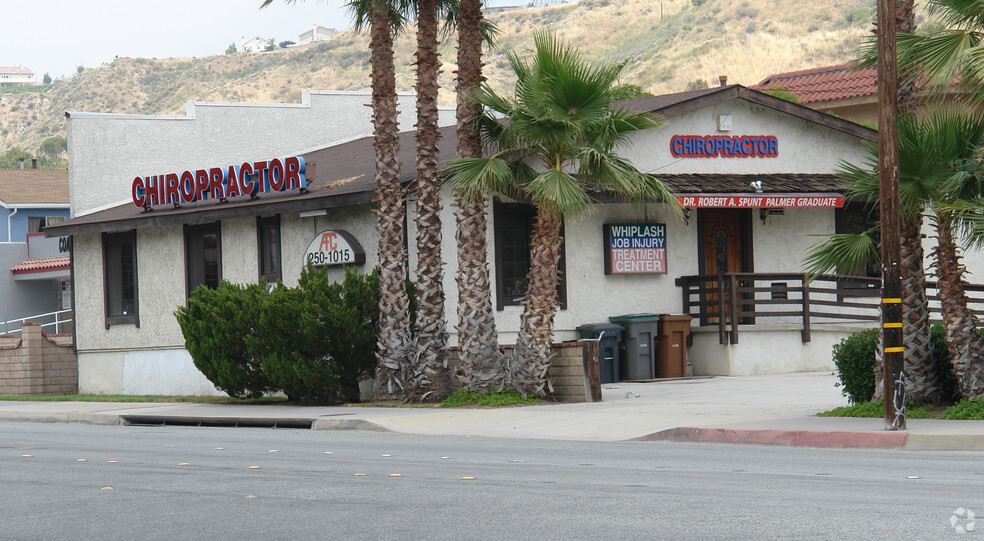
x=732, y=300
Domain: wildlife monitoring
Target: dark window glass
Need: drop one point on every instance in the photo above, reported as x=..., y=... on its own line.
x=513, y=230
x=268, y=236
x=856, y=218
x=203, y=256
x=120, y=277
x=721, y=251
x=35, y=224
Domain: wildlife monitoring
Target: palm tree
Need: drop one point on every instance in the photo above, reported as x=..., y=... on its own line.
x=556, y=144
x=934, y=156
x=955, y=53
x=480, y=359
x=385, y=18
x=431, y=380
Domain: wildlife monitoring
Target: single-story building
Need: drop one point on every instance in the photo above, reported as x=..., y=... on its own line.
x=754, y=173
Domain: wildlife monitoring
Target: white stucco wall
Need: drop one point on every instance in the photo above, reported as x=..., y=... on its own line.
x=149, y=358
x=102, y=168
x=804, y=147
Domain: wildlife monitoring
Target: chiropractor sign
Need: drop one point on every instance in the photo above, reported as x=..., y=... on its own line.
x=220, y=183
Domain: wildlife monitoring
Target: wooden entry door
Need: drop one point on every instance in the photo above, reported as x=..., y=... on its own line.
x=723, y=250
x=723, y=243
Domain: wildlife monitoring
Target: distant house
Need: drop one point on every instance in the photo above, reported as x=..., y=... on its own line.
x=254, y=44
x=16, y=76
x=316, y=33
x=35, y=272
x=838, y=90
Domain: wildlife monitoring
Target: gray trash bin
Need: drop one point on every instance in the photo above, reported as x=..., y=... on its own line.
x=639, y=343
x=607, y=347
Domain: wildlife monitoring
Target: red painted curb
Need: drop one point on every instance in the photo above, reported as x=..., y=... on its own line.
x=797, y=438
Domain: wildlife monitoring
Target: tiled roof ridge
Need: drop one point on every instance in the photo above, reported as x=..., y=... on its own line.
x=806, y=72
x=826, y=83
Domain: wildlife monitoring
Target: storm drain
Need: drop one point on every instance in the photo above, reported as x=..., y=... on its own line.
x=156, y=420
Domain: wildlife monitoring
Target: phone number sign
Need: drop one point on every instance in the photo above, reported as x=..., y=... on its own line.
x=334, y=247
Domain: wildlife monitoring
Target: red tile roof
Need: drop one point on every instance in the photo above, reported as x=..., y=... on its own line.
x=42, y=265
x=824, y=84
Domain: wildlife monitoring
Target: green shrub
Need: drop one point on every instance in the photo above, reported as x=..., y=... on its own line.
x=855, y=360
x=854, y=357
x=505, y=397
x=944, y=368
x=858, y=15
x=213, y=324
x=320, y=338
x=913, y=410
x=313, y=342
x=972, y=409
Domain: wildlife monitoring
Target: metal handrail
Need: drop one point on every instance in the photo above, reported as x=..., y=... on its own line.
x=21, y=321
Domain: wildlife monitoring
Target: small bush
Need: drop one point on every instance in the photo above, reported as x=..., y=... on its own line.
x=320, y=338
x=213, y=324
x=314, y=342
x=783, y=93
x=505, y=397
x=855, y=360
x=913, y=410
x=972, y=409
x=944, y=368
x=858, y=15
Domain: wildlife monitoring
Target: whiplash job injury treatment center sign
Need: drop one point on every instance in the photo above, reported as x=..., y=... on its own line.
x=635, y=249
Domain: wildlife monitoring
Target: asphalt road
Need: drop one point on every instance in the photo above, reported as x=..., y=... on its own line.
x=108, y=482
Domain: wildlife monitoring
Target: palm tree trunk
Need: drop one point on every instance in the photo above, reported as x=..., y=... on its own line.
x=962, y=339
x=923, y=382
x=905, y=22
x=480, y=361
x=394, y=331
x=431, y=380
x=531, y=358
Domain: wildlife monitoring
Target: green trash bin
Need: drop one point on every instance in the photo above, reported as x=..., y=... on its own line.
x=638, y=354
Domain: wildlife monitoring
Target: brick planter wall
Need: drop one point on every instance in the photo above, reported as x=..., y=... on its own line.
x=566, y=371
x=35, y=363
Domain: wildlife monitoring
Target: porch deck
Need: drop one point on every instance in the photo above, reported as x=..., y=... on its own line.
x=783, y=300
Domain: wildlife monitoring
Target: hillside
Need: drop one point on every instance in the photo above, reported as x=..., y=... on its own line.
x=668, y=45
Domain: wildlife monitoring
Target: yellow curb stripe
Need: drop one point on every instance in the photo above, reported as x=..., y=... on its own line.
x=892, y=301
x=894, y=350
x=892, y=325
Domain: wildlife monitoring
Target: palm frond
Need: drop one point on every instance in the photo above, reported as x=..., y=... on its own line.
x=475, y=177
x=845, y=253
x=559, y=192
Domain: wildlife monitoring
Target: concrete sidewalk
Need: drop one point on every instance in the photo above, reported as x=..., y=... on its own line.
x=778, y=410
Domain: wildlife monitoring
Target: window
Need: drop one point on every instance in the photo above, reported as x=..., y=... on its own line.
x=513, y=230
x=120, y=278
x=203, y=256
x=268, y=247
x=854, y=218
x=36, y=224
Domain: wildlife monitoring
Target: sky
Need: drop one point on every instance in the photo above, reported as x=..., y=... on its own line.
x=56, y=36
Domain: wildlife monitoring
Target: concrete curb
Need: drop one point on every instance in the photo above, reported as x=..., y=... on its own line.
x=795, y=438
x=347, y=424
x=68, y=417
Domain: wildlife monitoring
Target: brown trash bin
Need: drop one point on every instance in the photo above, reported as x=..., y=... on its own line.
x=671, y=346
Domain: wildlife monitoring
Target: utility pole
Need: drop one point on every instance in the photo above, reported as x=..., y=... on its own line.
x=888, y=201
